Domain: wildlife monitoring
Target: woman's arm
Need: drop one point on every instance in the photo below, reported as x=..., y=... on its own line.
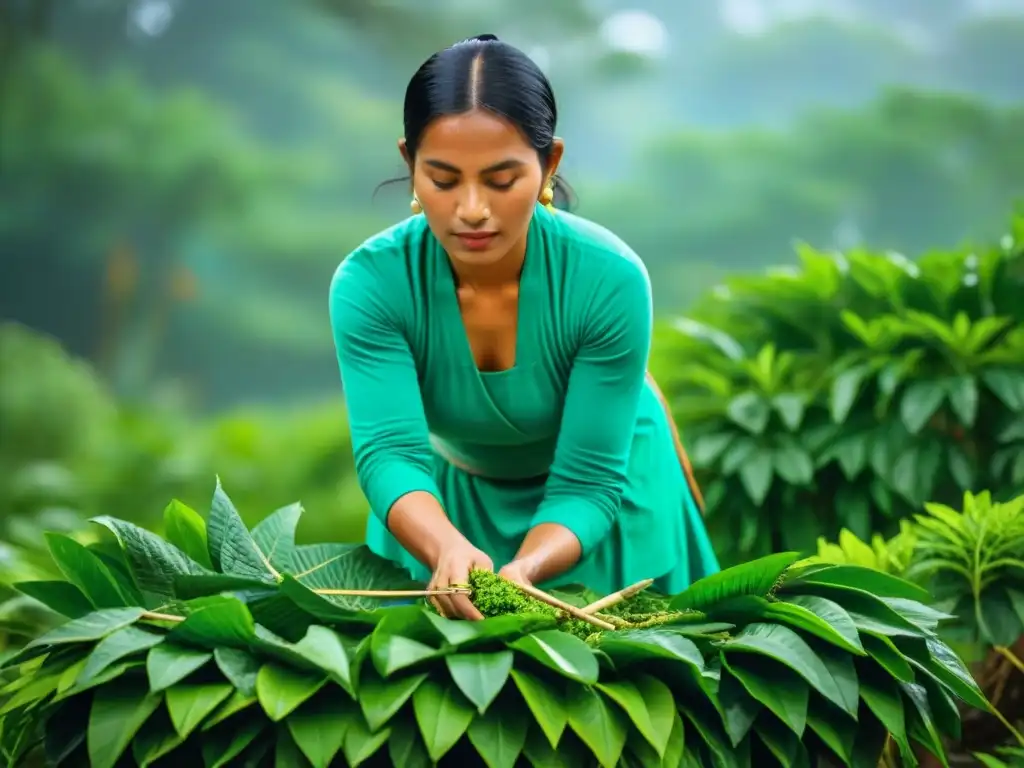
x=390, y=440
x=588, y=475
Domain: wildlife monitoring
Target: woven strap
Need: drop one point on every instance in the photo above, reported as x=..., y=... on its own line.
x=684, y=460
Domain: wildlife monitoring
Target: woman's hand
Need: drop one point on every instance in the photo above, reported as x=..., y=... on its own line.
x=453, y=566
x=519, y=572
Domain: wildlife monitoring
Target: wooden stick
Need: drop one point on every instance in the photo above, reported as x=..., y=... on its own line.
x=572, y=610
x=617, y=597
x=154, y=616
x=393, y=592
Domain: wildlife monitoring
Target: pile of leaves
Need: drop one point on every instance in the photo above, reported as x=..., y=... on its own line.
x=224, y=646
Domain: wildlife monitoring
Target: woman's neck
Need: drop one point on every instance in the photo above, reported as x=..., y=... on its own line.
x=501, y=273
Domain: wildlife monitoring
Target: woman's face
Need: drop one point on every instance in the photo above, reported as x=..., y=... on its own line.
x=478, y=181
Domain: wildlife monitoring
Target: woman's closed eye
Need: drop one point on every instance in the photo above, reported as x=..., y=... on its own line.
x=501, y=184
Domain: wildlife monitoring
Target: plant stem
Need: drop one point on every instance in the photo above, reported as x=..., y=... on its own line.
x=393, y=592
x=572, y=610
x=617, y=597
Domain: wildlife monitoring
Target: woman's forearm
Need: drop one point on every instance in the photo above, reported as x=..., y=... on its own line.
x=547, y=551
x=420, y=524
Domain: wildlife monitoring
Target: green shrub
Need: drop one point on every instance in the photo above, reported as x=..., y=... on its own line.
x=222, y=643
x=846, y=393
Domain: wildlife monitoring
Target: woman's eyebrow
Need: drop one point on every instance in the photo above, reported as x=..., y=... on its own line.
x=504, y=165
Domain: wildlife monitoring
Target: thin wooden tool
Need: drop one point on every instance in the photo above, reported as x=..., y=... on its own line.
x=617, y=597
x=572, y=610
x=385, y=593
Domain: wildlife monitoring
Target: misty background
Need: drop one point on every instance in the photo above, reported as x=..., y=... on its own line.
x=179, y=180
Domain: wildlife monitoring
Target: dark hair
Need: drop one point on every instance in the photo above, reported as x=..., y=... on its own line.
x=483, y=72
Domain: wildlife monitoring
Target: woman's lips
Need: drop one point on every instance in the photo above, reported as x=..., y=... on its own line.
x=477, y=241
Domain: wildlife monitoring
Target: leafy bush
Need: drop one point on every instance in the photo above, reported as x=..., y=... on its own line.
x=848, y=392
x=972, y=562
x=222, y=643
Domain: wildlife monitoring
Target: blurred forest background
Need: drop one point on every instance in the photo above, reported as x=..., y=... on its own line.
x=180, y=178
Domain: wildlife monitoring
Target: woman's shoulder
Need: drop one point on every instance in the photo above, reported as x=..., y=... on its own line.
x=379, y=260
x=590, y=249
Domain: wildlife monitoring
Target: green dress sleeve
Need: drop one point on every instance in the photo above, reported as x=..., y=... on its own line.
x=588, y=474
x=390, y=440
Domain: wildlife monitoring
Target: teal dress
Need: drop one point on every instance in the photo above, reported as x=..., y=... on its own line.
x=571, y=434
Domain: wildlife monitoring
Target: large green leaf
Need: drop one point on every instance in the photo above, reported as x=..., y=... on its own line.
x=186, y=530
x=754, y=578
x=275, y=536
x=786, y=646
x=232, y=548
x=443, y=715
x=480, y=676
x=117, y=713
x=348, y=566
x=86, y=571
x=154, y=562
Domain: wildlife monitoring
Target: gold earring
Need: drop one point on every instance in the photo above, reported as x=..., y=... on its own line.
x=415, y=206
x=547, y=197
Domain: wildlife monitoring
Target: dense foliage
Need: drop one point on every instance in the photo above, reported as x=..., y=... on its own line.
x=847, y=393
x=221, y=643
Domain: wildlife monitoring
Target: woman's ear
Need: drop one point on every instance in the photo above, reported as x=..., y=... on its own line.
x=404, y=151
x=554, y=158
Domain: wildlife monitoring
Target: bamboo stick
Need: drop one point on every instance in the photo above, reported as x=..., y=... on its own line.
x=572, y=610
x=617, y=597
x=154, y=616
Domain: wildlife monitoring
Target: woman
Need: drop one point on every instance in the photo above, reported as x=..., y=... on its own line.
x=493, y=356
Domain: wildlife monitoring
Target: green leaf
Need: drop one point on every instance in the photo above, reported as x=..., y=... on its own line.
x=86, y=571
x=319, y=727
x=232, y=548
x=820, y=617
x=756, y=475
x=562, y=652
x=275, y=536
x=772, y=684
x=629, y=697
x=153, y=561
x=443, y=715
x=739, y=708
x=546, y=702
x=90, y=628
x=499, y=735
x=223, y=621
x=117, y=646
x=361, y=743
x=883, y=651
x=391, y=653
x=406, y=747
x=790, y=408
x=601, y=726
x=481, y=676
x=235, y=704
x=786, y=646
x=844, y=391
x=749, y=411
x=64, y=598
x=920, y=402
x=189, y=705
x=168, y=664
x=951, y=672
x=882, y=695
x=281, y=689
x=754, y=578
x=323, y=647
x=186, y=530
x=793, y=464
x=380, y=699
x=155, y=739
x=866, y=580
x=117, y=713
x=1008, y=386
x=239, y=667
x=348, y=566
x=836, y=729
x=963, y=397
